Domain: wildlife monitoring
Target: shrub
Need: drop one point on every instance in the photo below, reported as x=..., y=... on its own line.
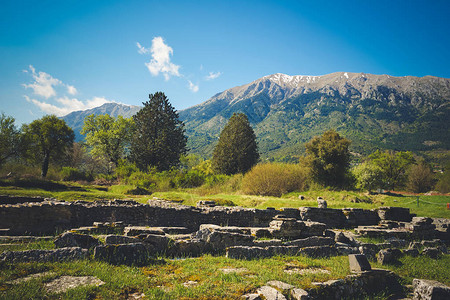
x=443, y=184
x=125, y=169
x=273, y=179
x=74, y=174
x=368, y=176
x=420, y=178
x=192, y=178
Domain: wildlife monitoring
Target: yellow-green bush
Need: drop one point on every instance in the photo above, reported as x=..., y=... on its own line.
x=274, y=179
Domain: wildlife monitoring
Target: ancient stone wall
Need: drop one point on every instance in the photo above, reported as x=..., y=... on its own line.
x=48, y=217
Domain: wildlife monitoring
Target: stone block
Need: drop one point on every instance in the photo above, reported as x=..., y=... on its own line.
x=120, y=239
x=126, y=254
x=411, y=252
x=319, y=251
x=394, y=213
x=358, y=263
x=388, y=256
x=245, y=252
x=430, y=290
x=431, y=252
x=270, y=293
x=279, y=285
x=299, y=294
x=69, y=239
x=61, y=254
x=321, y=203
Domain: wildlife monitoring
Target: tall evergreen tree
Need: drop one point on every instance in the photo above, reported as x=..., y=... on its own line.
x=237, y=150
x=329, y=159
x=158, y=139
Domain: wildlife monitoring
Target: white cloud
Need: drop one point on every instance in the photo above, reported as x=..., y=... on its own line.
x=43, y=84
x=160, y=62
x=71, y=89
x=142, y=50
x=193, y=87
x=67, y=105
x=213, y=75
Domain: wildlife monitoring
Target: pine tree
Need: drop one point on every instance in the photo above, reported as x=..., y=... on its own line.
x=158, y=139
x=237, y=150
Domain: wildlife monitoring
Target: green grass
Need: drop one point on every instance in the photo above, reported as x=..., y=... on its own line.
x=164, y=279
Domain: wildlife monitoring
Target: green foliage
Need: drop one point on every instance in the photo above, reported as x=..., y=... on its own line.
x=47, y=138
x=125, y=169
x=158, y=139
x=237, y=150
x=272, y=179
x=75, y=174
x=328, y=157
x=367, y=175
x=10, y=139
x=393, y=165
x=190, y=179
x=420, y=178
x=107, y=136
x=443, y=184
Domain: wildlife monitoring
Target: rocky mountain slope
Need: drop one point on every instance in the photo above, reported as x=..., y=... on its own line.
x=76, y=119
x=374, y=111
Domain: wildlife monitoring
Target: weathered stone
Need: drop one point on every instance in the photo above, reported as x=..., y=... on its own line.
x=311, y=241
x=388, y=256
x=267, y=243
x=208, y=203
x=397, y=243
x=359, y=263
x=137, y=230
x=431, y=252
x=313, y=229
x=394, y=214
x=432, y=243
x=411, y=252
x=65, y=283
x=333, y=218
x=233, y=270
x=69, y=239
x=245, y=252
x=126, y=254
x=321, y=203
x=156, y=243
x=219, y=240
x=299, y=294
x=286, y=227
x=61, y=254
x=279, y=285
x=430, y=290
x=251, y=297
x=359, y=217
x=192, y=248
x=270, y=293
x=120, y=239
x=319, y=251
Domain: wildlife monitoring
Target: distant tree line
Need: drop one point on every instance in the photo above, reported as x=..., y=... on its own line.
x=148, y=151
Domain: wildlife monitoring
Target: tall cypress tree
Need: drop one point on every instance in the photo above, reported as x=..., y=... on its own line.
x=237, y=150
x=158, y=140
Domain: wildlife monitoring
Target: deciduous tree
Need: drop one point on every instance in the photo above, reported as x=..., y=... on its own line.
x=107, y=136
x=10, y=139
x=237, y=150
x=48, y=138
x=393, y=166
x=158, y=139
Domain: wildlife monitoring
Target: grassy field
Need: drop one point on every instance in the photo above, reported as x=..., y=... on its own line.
x=167, y=278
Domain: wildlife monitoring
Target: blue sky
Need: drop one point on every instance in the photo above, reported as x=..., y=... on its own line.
x=60, y=56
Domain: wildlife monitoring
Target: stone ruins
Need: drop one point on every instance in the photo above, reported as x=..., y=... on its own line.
x=135, y=234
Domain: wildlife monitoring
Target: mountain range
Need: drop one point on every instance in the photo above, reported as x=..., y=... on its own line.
x=373, y=111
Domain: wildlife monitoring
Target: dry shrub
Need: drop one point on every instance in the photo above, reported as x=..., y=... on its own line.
x=274, y=179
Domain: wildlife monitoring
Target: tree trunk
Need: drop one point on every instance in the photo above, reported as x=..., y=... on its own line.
x=45, y=164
